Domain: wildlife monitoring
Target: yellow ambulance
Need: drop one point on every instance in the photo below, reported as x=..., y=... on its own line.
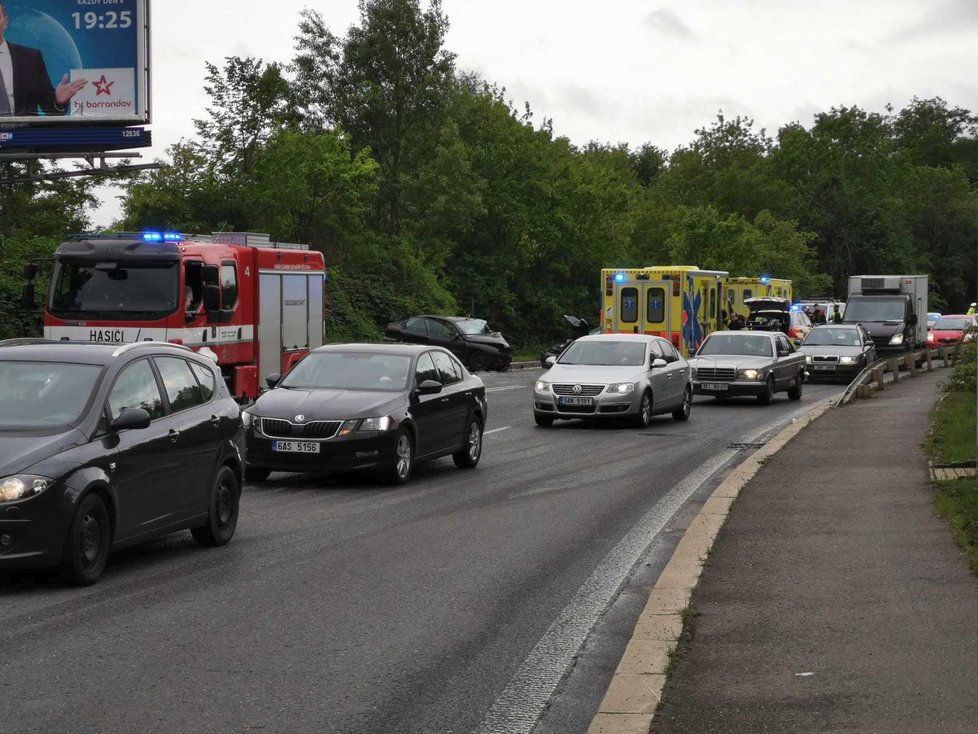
x=738, y=289
x=680, y=303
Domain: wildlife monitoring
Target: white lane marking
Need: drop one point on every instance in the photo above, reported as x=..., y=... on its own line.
x=496, y=430
x=507, y=387
x=519, y=707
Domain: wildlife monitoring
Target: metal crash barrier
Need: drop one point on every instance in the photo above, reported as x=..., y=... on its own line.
x=890, y=370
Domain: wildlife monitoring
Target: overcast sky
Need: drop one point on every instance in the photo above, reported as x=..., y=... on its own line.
x=618, y=71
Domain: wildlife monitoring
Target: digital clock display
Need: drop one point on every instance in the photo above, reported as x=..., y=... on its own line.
x=109, y=19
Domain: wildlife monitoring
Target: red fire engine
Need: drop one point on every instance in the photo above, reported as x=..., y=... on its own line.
x=253, y=305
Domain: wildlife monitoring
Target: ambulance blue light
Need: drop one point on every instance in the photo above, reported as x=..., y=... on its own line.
x=619, y=277
x=172, y=237
x=152, y=236
x=765, y=279
x=796, y=307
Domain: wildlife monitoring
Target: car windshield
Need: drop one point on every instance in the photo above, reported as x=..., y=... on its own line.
x=44, y=395
x=744, y=344
x=115, y=289
x=875, y=309
x=628, y=353
x=473, y=326
x=350, y=371
x=832, y=337
x=950, y=323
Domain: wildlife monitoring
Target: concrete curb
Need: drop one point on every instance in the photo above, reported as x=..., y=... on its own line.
x=631, y=700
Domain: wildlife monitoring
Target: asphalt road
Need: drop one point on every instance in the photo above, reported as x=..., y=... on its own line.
x=488, y=600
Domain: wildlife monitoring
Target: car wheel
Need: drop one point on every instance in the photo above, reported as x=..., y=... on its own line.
x=542, y=420
x=645, y=410
x=256, y=473
x=403, y=461
x=683, y=411
x=767, y=396
x=88, y=542
x=471, y=452
x=794, y=392
x=222, y=511
x=477, y=361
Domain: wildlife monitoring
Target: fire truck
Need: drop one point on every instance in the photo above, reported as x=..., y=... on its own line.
x=678, y=302
x=738, y=289
x=253, y=305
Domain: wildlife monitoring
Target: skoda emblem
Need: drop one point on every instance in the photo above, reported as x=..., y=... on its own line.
x=299, y=418
x=577, y=389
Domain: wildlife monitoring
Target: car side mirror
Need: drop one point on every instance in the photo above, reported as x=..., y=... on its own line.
x=273, y=379
x=131, y=418
x=658, y=363
x=550, y=361
x=429, y=387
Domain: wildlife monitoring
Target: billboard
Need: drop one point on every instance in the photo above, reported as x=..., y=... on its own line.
x=74, y=62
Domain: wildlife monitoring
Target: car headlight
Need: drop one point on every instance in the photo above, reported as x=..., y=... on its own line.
x=247, y=418
x=847, y=360
x=384, y=423
x=621, y=388
x=808, y=359
x=752, y=374
x=896, y=340
x=22, y=486
x=542, y=386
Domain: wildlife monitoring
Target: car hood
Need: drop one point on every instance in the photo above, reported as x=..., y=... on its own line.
x=881, y=328
x=18, y=453
x=574, y=373
x=325, y=404
x=494, y=339
x=830, y=350
x=737, y=361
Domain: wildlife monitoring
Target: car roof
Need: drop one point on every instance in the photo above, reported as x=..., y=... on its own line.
x=835, y=326
x=51, y=350
x=772, y=300
x=618, y=337
x=956, y=316
x=747, y=332
x=378, y=348
x=447, y=318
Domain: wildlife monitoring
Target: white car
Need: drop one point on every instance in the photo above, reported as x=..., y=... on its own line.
x=614, y=376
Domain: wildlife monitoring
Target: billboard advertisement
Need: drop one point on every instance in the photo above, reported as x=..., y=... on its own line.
x=74, y=61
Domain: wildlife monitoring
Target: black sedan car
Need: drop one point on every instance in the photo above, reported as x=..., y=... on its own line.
x=471, y=340
x=103, y=446
x=375, y=408
x=837, y=350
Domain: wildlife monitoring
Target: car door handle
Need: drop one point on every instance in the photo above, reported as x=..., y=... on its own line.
x=444, y=400
x=215, y=421
x=174, y=435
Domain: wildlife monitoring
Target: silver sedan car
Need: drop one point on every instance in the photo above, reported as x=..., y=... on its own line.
x=759, y=363
x=622, y=376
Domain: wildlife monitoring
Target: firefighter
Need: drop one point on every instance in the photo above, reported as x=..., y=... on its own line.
x=971, y=310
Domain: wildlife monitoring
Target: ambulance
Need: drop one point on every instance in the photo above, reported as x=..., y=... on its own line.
x=680, y=303
x=739, y=289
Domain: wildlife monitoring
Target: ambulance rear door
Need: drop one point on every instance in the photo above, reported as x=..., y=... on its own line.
x=641, y=307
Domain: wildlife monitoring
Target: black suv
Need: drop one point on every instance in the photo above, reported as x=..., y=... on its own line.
x=103, y=446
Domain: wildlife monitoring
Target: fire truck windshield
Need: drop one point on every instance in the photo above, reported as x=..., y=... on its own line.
x=119, y=290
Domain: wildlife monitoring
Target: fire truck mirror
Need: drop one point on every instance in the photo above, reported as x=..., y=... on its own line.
x=212, y=299
x=27, y=296
x=210, y=274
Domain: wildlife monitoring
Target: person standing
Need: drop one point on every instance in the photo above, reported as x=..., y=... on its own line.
x=836, y=314
x=25, y=87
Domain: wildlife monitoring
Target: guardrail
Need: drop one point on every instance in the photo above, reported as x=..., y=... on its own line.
x=874, y=376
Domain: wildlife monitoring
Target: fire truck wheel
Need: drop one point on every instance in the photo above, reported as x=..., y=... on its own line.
x=402, y=463
x=645, y=410
x=256, y=473
x=222, y=515
x=767, y=396
x=477, y=361
x=471, y=451
x=683, y=411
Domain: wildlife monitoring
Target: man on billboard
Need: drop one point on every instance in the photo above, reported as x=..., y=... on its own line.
x=25, y=87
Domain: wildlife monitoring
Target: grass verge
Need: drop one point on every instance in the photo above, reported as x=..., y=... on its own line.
x=952, y=439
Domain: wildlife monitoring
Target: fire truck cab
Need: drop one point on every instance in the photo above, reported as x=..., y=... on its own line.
x=253, y=305
x=680, y=303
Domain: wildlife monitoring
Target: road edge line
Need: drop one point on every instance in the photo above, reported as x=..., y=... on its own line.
x=633, y=695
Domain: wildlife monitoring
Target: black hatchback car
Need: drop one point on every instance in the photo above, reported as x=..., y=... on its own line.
x=375, y=408
x=471, y=340
x=103, y=446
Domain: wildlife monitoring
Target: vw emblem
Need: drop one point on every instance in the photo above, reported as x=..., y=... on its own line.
x=577, y=389
x=299, y=418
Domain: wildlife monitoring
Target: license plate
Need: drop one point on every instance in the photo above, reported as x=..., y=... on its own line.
x=714, y=386
x=295, y=447
x=824, y=367
x=577, y=401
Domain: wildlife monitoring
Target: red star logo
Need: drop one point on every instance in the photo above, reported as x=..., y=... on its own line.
x=103, y=86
